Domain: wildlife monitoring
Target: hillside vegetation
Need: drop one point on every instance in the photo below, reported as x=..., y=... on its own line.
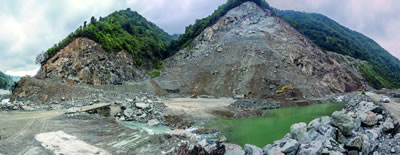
x=123, y=30
x=5, y=81
x=382, y=69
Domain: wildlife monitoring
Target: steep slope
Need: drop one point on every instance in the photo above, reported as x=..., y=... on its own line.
x=250, y=51
x=123, y=30
x=382, y=69
x=194, y=30
x=85, y=61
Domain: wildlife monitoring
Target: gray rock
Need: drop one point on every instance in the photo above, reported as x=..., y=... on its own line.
x=252, y=150
x=233, y=149
x=335, y=153
x=27, y=108
x=129, y=100
x=203, y=143
x=318, y=122
x=343, y=121
x=315, y=147
x=392, y=150
x=153, y=122
x=366, y=106
x=388, y=125
x=299, y=131
x=368, y=118
x=72, y=110
x=288, y=146
x=373, y=133
x=328, y=131
x=142, y=105
x=128, y=113
x=355, y=142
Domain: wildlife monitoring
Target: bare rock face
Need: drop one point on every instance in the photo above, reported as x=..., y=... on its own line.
x=84, y=61
x=250, y=51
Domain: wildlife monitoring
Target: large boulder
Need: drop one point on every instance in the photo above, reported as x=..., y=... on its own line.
x=354, y=143
x=299, y=131
x=388, y=125
x=252, y=150
x=233, y=149
x=343, y=121
x=129, y=113
x=142, y=105
x=366, y=106
x=368, y=118
x=315, y=147
x=318, y=122
x=153, y=122
x=287, y=146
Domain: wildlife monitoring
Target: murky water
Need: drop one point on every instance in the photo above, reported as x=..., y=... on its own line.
x=264, y=130
x=144, y=127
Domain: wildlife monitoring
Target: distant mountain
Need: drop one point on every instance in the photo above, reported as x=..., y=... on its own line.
x=175, y=36
x=15, y=78
x=123, y=30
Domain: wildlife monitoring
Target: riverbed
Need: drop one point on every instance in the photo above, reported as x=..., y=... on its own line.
x=273, y=126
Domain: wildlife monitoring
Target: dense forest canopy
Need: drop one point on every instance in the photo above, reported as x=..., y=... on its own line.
x=123, y=30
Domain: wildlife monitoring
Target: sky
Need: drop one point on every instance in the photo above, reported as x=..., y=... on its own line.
x=31, y=26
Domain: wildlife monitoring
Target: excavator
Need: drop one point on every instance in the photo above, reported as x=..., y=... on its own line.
x=363, y=88
x=194, y=95
x=283, y=88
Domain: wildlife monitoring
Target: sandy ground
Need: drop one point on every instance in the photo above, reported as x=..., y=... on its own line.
x=393, y=107
x=18, y=131
x=198, y=107
x=61, y=143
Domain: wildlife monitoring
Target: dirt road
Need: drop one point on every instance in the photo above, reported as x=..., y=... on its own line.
x=198, y=107
x=19, y=129
x=393, y=107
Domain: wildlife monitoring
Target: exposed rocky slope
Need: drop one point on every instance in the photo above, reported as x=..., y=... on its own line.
x=250, y=50
x=84, y=61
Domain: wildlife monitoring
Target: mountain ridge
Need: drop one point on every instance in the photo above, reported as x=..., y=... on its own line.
x=382, y=69
x=251, y=51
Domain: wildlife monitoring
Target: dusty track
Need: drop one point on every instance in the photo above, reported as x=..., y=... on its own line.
x=393, y=107
x=198, y=107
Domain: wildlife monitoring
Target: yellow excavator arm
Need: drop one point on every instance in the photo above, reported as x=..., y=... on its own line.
x=194, y=92
x=283, y=88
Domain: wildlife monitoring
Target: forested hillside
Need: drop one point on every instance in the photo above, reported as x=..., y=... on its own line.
x=5, y=81
x=123, y=30
x=382, y=70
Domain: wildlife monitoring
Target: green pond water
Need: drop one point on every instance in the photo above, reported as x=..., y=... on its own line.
x=273, y=126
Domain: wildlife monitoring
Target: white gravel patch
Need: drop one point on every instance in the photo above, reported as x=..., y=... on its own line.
x=62, y=143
